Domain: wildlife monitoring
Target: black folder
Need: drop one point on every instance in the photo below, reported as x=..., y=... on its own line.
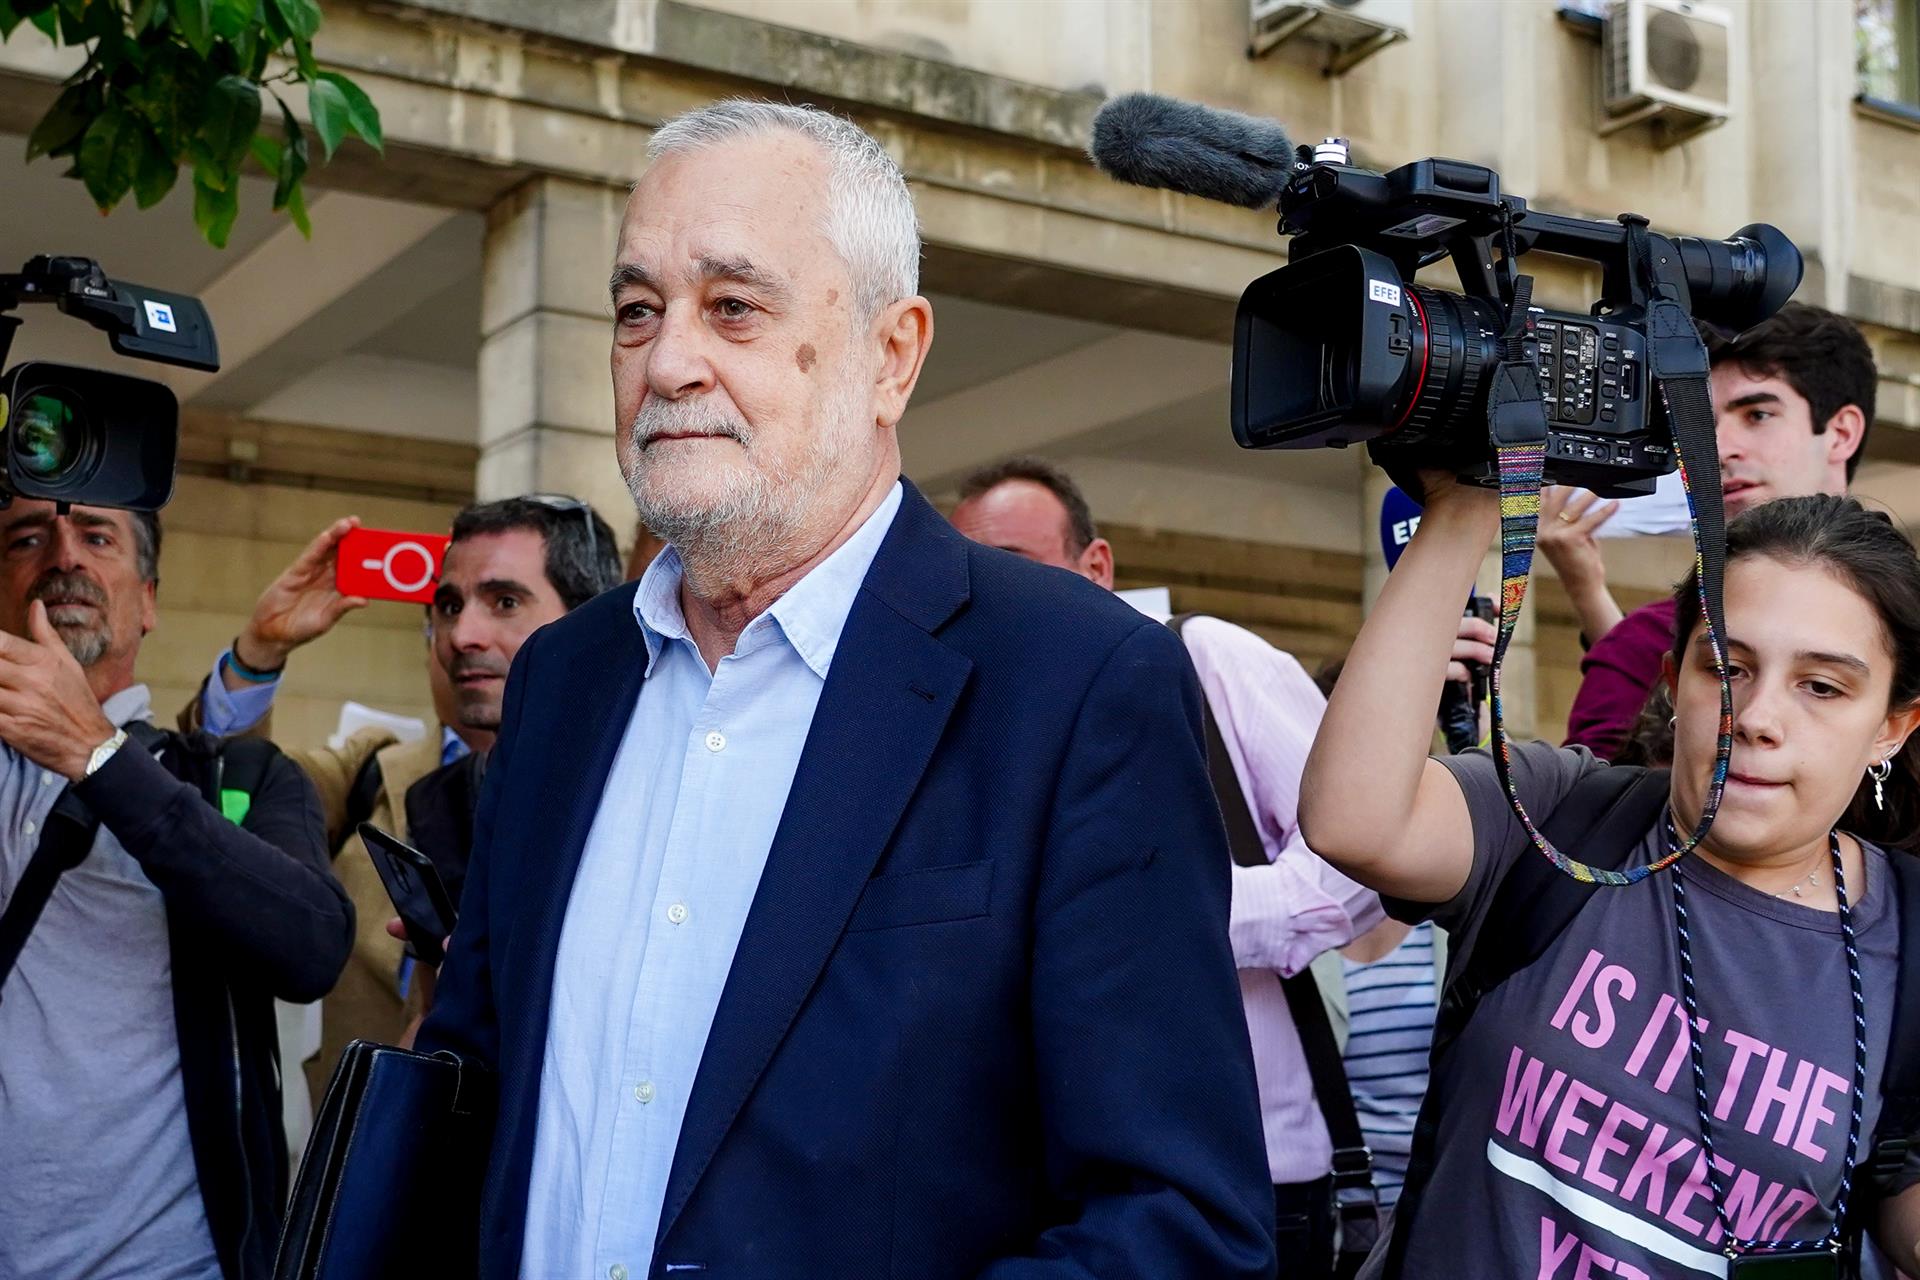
x=391, y=1180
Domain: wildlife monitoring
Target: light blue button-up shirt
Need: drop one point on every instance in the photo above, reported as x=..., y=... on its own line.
x=665, y=882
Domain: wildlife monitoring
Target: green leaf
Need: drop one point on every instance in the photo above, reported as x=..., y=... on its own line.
x=65, y=120
x=155, y=177
x=231, y=17
x=250, y=52
x=328, y=107
x=301, y=16
x=214, y=211
x=82, y=21
x=209, y=172
x=266, y=155
x=164, y=101
x=143, y=15
x=303, y=59
x=195, y=20
x=362, y=116
x=10, y=18
x=48, y=20
x=109, y=157
x=293, y=160
x=297, y=210
x=231, y=115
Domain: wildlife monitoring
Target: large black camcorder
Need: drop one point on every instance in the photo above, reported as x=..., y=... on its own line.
x=85, y=436
x=1341, y=346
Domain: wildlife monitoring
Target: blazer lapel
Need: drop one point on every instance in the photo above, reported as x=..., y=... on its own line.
x=880, y=717
x=591, y=703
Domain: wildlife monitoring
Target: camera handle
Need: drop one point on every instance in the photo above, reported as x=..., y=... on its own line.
x=1517, y=419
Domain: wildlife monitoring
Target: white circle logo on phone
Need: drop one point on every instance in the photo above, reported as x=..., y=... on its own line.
x=391, y=566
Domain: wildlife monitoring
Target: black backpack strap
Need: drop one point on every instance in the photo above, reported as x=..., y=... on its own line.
x=1352, y=1162
x=237, y=767
x=227, y=772
x=65, y=838
x=1600, y=819
x=1243, y=833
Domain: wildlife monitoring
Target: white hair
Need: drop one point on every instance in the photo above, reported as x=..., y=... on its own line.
x=870, y=218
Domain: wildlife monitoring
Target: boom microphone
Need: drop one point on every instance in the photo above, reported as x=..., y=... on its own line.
x=1152, y=141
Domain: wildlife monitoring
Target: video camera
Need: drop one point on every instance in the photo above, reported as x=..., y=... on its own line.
x=86, y=436
x=1340, y=346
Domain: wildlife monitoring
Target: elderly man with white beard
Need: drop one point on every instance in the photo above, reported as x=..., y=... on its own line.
x=848, y=899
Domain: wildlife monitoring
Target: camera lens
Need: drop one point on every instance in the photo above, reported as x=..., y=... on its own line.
x=49, y=435
x=1454, y=342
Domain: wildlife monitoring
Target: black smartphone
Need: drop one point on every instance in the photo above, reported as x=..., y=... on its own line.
x=1798, y=1264
x=418, y=893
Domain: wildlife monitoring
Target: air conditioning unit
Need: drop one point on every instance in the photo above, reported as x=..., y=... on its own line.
x=1666, y=64
x=1354, y=29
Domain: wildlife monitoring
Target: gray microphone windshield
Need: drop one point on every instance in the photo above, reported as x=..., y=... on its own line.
x=1152, y=141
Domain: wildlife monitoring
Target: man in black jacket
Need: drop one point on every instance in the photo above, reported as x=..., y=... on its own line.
x=139, y=1087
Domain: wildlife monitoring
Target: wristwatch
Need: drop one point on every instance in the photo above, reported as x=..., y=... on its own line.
x=104, y=752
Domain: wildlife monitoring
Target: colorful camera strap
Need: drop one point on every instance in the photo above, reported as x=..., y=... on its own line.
x=1677, y=367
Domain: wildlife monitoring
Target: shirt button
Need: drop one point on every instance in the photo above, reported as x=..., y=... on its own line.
x=616, y=1272
x=677, y=913
x=46, y=779
x=643, y=1092
x=716, y=741
x=30, y=828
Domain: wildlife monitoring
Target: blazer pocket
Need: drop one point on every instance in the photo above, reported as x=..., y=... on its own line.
x=931, y=896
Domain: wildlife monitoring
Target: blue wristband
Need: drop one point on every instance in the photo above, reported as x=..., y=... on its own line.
x=245, y=672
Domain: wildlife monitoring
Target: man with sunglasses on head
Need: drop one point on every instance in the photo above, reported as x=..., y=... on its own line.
x=513, y=565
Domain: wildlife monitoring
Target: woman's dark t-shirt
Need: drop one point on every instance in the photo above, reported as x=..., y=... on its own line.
x=1569, y=1144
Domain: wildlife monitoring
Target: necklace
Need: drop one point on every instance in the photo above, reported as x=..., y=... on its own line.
x=1831, y=1242
x=1810, y=881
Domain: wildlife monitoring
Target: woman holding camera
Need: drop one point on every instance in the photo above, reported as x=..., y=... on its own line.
x=1578, y=1128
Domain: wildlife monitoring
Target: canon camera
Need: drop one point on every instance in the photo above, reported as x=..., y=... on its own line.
x=85, y=436
x=1342, y=346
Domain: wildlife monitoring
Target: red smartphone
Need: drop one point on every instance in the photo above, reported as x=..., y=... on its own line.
x=383, y=564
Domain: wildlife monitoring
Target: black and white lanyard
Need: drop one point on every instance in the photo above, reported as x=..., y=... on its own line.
x=1829, y=1245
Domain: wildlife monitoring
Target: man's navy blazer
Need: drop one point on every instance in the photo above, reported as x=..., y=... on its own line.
x=983, y=1020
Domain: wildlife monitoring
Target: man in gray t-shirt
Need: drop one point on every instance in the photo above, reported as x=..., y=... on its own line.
x=140, y=1129
x=1568, y=1142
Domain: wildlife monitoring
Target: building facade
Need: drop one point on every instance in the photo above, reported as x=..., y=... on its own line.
x=445, y=332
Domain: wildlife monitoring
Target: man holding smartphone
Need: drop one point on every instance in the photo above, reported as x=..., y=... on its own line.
x=512, y=566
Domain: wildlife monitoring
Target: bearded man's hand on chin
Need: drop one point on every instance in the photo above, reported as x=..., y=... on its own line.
x=47, y=710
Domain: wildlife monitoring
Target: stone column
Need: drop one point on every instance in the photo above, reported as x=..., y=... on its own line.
x=546, y=396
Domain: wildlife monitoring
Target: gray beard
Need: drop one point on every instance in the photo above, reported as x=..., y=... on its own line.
x=752, y=531
x=87, y=644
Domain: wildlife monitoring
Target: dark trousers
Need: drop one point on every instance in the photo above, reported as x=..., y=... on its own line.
x=1303, y=1229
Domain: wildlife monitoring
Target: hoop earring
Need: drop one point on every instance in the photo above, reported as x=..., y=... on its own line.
x=1880, y=773
x=1672, y=722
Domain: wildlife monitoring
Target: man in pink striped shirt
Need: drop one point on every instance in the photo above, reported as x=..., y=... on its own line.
x=1285, y=913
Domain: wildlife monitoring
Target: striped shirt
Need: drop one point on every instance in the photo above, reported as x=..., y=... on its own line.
x=1390, y=1004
